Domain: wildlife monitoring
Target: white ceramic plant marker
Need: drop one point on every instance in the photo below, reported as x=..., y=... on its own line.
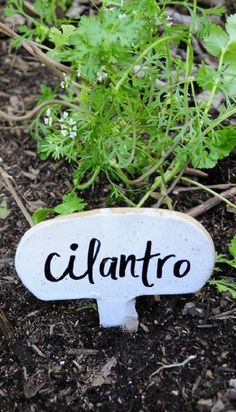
x=114, y=255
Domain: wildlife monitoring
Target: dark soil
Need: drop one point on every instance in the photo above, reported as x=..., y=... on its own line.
x=56, y=357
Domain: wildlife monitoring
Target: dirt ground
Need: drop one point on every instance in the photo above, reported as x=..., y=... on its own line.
x=55, y=357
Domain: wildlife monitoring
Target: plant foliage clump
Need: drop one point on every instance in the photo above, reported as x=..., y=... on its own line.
x=224, y=284
x=133, y=112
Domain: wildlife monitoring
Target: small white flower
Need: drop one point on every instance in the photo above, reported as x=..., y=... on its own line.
x=64, y=133
x=169, y=20
x=64, y=82
x=122, y=16
x=101, y=75
x=72, y=135
x=65, y=115
x=136, y=68
x=71, y=122
x=141, y=73
x=48, y=121
x=63, y=126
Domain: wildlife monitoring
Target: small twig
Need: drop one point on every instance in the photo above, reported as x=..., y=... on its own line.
x=195, y=172
x=82, y=351
x=179, y=189
x=173, y=365
x=55, y=66
x=33, y=112
x=223, y=369
x=35, y=51
x=30, y=9
x=6, y=179
x=224, y=315
x=210, y=203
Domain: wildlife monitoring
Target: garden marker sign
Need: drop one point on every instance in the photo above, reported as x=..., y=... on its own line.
x=114, y=255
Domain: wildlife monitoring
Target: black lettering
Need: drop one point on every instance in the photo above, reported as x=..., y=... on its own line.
x=109, y=265
x=123, y=265
x=177, y=268
x=74, y=246
x=112, y=268
x=146, y=259
x=70, y=269
x=94, y=247
x=47, y=269
x=160, y=265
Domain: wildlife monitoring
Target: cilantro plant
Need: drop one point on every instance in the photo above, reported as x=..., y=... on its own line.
x=224, y=284
x=131, y=108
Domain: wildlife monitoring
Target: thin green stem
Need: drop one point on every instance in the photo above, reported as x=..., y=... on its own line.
x=217, y=80
x=151, y=170
x=169, y=174
x=219, y=120
x=177, y=179
x=195, y=100
x=89, y=183
x=171, y=94
x=189, y=61
x=134, y=142
x=119, y=190
x=207, y=189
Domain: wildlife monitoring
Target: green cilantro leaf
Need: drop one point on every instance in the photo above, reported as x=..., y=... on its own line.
x=231, y=27
x=224, y=141
x=4, y=211
x=224, y=286
x=203, y=158
x=70, y=203
x=41, y=214
x=215, y=147
x=216, y=40
x=47, y=93
x=61, y=37
x=205, y=77
x=232, y=247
